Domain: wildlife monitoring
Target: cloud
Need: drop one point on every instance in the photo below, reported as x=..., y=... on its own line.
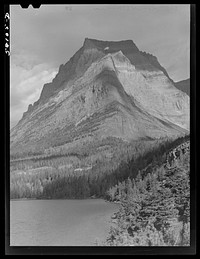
x=44, y=38
x=56, y=34
x=25, y=85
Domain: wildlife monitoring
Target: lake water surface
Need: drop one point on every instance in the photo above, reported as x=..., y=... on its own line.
x=59, y=222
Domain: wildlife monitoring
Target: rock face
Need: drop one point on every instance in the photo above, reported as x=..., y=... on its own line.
x=184, y=86
x=106, y=89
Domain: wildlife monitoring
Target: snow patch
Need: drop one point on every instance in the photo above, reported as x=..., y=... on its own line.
x=106, y=48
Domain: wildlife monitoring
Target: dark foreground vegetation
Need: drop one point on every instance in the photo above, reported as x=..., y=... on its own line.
x=155, y=207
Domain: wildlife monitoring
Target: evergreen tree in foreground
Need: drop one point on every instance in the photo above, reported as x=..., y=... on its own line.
x=156, y=209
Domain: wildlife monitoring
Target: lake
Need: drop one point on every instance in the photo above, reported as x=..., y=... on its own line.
x=60, y=222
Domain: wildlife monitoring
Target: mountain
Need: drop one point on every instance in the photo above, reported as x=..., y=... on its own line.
x=184, y=86
x=107, y=89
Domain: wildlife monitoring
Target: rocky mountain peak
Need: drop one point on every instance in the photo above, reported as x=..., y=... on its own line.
x=111, y=46
x=91, y=51
x=107, y=88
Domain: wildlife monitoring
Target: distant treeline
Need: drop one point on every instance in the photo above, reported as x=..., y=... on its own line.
x=78, y=148
x=53, y=182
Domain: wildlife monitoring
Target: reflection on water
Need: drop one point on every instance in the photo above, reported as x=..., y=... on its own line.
x=59, y=222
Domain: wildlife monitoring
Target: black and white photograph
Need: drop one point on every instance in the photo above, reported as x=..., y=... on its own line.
x=100, y=125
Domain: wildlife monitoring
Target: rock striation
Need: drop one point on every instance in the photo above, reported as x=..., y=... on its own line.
x=106, y=89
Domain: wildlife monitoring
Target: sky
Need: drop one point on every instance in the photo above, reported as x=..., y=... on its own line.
x=43, y=39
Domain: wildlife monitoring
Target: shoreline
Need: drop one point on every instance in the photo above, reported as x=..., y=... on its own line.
x=75, y=199
x=78, y=199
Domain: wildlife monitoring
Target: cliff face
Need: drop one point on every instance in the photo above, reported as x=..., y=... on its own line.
x=89, y=53
x=105, y=89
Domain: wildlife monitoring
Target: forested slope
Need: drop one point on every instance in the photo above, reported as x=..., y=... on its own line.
x=155, y=206
x=84, y=173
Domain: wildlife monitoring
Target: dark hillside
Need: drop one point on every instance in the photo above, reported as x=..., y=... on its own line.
x=155, y=206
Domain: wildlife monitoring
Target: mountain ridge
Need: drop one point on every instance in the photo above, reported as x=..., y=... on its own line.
x=107, y=88
x=184, y=85
x=65, y=71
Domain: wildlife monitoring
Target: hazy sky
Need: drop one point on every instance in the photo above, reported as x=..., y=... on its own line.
x=44, y=38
